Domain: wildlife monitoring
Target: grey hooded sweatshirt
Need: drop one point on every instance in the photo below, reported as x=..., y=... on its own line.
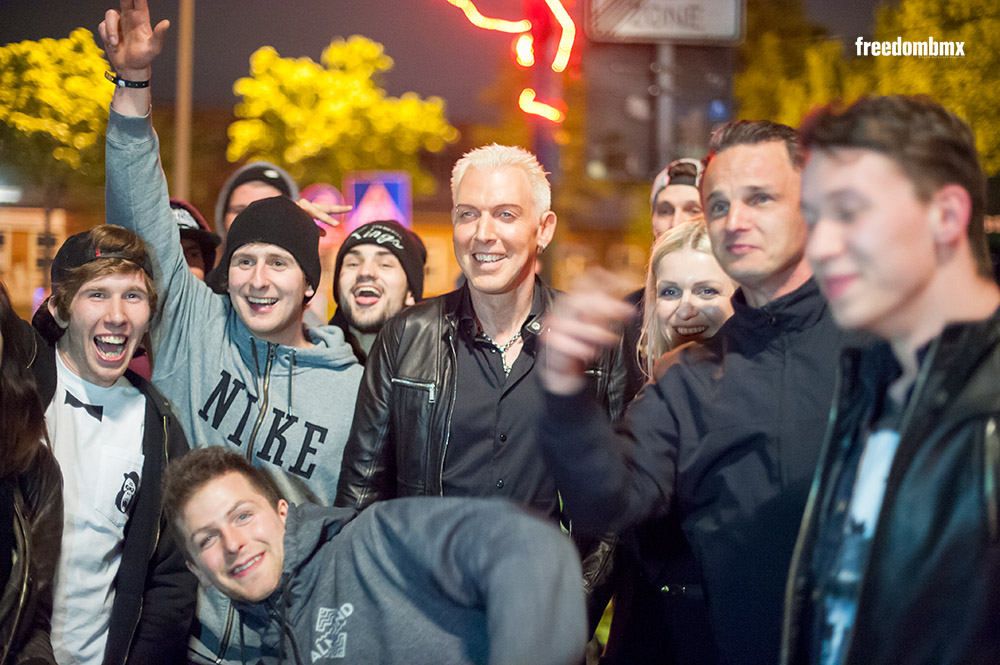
x=423, y=580
x=288, y=410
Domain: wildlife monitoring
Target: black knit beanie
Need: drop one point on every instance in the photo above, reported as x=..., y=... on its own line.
x=393, y=236
x=275, y=221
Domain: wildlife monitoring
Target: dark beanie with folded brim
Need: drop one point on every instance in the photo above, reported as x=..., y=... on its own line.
x=393, y=236
x=273, y=221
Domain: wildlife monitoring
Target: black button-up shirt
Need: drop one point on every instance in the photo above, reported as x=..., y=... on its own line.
x=492, y=450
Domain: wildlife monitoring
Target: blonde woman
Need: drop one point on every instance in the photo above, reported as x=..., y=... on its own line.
x=687, y=293
x=660, y=615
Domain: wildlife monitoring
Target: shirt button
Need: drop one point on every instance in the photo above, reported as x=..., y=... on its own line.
x=503, y=437
x=500, y=484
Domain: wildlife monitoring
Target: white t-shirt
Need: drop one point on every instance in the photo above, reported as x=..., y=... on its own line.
x=96, y=436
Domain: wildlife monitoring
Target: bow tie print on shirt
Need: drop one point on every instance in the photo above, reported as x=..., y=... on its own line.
x=94, y=410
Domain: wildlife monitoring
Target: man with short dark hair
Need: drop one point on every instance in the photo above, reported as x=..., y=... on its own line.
x=379, y=270
x=726, y=438
x=415, y=580
x=898, y=559
x=120, y=588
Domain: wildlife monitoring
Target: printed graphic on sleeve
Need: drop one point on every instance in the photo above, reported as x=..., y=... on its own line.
x=331, y=638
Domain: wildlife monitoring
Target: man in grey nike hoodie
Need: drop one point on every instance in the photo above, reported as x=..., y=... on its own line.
x=240, y=368
x=417, y=580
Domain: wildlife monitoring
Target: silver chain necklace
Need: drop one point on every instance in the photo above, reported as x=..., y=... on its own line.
x=503, y=349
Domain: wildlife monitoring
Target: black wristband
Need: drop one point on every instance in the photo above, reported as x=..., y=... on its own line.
x=122, y=83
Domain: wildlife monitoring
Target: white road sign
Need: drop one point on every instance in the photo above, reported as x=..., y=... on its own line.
x=683, y=21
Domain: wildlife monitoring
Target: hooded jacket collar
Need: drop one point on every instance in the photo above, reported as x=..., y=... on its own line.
x=797, y=310
x=307, y=529
x=962, y=358
x=331, y=351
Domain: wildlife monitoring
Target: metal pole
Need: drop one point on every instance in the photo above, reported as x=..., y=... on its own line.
x=182, y=119
x=665, y=143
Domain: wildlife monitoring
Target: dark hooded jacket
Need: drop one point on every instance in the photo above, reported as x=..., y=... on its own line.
x=726, y=439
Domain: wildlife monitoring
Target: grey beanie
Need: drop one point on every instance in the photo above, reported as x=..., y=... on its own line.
x=265, y=172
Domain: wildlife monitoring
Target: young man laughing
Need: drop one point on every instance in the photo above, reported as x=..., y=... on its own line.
x=120, y=588
x=379, y=270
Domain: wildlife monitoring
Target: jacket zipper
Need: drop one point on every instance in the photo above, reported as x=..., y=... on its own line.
x=271, y=352
x=430, y=387
x=451, y=410
x=224, y=642
x=991, y=458
x=156, y=542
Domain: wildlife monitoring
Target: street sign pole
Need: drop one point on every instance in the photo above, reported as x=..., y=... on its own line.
x=666, y=23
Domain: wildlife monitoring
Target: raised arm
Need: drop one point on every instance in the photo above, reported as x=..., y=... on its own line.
x=609, y=477
x=131, y=43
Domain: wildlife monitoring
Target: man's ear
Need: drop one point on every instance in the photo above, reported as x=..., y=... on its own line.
x=310, y=292
x=282, y=510
x=203, y=579
x=53, y=310
x=951, y=208
x=546, y=229
x=409, y=300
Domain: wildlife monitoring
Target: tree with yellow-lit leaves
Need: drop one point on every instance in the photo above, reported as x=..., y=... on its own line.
x=964, y=84
x=789, y=65
x=322, y=120
x=53, y=113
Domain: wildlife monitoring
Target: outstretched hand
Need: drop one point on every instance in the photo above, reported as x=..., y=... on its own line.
x=130, y=41
x=580, y=326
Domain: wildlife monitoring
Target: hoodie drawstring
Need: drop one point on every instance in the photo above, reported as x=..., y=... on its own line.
x=291, y=373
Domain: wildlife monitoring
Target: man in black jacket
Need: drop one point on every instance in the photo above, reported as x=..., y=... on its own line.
x=898, y=559
x=122, y=592
x=450, y=393
x=726, y=438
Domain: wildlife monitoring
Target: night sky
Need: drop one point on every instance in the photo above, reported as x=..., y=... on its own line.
x=436, y=51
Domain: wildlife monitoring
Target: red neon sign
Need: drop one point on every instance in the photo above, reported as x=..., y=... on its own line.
x=523, y=49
